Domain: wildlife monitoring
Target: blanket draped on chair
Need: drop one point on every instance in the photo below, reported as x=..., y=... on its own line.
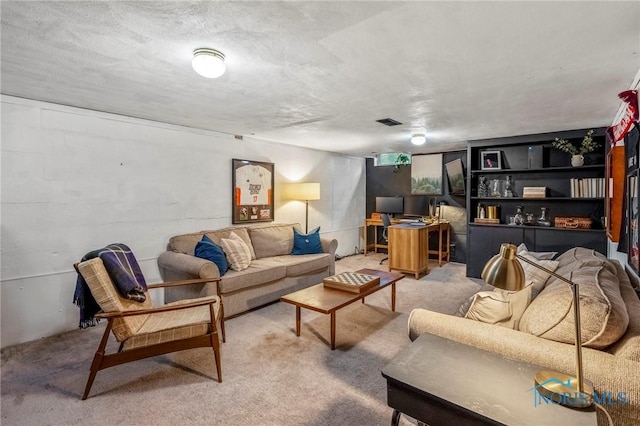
x=125, y=272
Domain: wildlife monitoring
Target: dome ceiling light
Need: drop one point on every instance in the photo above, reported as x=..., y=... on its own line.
x=418, y=139
x=208, y=63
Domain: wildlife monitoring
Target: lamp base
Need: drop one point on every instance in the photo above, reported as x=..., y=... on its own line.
x=563, y=389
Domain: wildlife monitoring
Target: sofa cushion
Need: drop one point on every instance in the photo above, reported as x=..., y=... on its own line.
x=274, y=240
x=536, y=277
x=207, y=249
x=304, y=264
x=259, y=272
x=306, y=243
x=499, y=307
x=240, y=231
x=603, y=314
x=540, y=255
x=186, y=243
x=237, y=252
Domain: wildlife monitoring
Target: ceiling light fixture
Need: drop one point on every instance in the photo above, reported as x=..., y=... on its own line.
x=418, y=139
x=208, y=63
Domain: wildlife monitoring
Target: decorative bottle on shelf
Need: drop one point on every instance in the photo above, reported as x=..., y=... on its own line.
x=508, y=188
x=544, y=219
x=483, y=188
x=519, y=216
x=495, y=188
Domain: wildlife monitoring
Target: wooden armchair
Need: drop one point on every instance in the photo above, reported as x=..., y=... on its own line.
x=144, y=330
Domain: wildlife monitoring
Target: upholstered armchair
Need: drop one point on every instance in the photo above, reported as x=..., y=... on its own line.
x=144, y=330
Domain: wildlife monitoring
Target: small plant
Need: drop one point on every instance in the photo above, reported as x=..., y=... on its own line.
x=588, y=145
x=402, y=160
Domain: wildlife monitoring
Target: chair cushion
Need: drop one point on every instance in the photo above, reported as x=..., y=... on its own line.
x=105, y=293
x=306, y=243
x=237, y=252
x=603, y=314
x=175, y=325
x=274, y=240
x=207, y=249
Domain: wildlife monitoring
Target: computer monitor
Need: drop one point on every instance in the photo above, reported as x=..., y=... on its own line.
x=391, y=205
x=416, y=205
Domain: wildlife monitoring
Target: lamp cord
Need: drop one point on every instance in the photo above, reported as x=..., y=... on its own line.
x=605, y=412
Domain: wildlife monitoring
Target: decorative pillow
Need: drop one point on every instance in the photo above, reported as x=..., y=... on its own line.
x=207, y=249
x=237, y=251
x=535, y=276
x=306, y=243
x=499, y=307
x=603, y=313
x=273, y=240
x=540, y=255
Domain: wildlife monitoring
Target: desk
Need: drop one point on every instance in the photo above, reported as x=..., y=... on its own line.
x=443, y=246
x=378, y=223
x=441, y=382
x=409, y=246
x=375, y=223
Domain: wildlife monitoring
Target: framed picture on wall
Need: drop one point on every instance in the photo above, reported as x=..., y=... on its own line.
x=455, y=174
x=252, y=185
x=490, y=160
x=426, y=174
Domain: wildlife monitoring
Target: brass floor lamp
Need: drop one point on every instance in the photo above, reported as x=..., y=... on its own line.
x=505, y=272
x=303, y=192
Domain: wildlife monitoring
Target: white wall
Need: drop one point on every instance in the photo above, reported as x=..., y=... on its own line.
x=74, y=180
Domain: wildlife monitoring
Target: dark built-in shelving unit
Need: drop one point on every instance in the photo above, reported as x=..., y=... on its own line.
x=555, y=174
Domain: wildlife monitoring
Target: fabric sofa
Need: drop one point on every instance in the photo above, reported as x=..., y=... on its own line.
x=543, y=336
x=273, y=271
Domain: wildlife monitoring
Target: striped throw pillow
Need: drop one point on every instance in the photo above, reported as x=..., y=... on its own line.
x=237, y=252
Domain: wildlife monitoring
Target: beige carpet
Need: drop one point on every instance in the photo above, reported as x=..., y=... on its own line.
x=271, y=377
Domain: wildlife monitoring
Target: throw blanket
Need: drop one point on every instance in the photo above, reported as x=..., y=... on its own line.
x=122, y=267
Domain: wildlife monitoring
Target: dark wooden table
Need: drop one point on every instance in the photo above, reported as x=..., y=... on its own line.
x=440, y=382
x=328, y=300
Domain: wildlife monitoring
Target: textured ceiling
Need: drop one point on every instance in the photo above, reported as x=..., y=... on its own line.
x=318, y=74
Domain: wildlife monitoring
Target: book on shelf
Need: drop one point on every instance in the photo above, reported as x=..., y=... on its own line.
x=534, y=192
x=354, y=282
x=587, y=187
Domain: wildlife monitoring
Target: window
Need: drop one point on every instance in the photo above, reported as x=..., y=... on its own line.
x=389, y=158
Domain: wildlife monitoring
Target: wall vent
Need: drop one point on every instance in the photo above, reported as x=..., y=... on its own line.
x=388, y=122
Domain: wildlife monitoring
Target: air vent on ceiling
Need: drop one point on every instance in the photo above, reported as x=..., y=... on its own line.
x=388, y=122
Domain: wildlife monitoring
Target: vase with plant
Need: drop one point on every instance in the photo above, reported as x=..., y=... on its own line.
x=402, y=160
x=577, y=152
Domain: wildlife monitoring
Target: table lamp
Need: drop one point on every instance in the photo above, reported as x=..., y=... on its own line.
x=505, y=272
x=303, y=192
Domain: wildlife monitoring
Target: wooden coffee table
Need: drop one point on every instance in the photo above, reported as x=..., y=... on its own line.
x=328, y=300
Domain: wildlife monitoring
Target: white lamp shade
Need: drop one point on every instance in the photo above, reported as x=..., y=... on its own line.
x=208, y=63
x=418, y=139
x=302, y=191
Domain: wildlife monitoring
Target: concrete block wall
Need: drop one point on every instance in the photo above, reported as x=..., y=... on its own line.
x=74, y=180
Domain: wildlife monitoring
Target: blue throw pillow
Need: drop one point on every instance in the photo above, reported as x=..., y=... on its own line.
x=207, y=249
x=306, y=243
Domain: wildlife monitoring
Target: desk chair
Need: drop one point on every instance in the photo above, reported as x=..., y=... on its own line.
x=386, y=221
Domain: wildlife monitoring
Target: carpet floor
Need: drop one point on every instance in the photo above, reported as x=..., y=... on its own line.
x=271, y=377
